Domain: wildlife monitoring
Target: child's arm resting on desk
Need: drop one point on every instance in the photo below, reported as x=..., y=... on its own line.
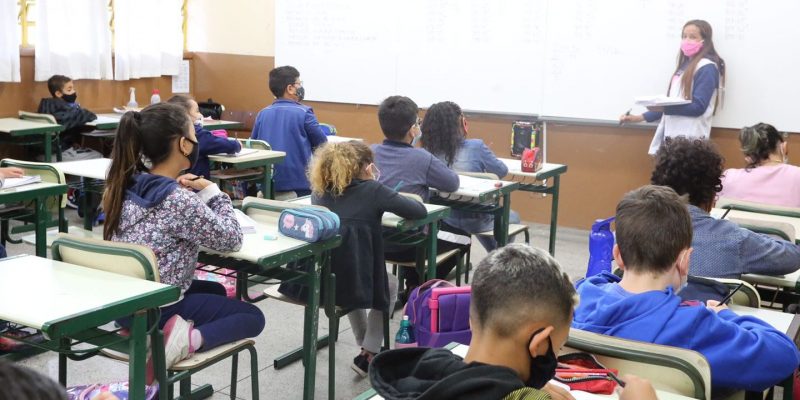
x=440, y=177
x=403, y=206
x=206, y=218
x=210, y=144
x=762, y=254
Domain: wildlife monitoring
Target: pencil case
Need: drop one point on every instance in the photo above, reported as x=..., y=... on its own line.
x=308, y=224
x=582, y=371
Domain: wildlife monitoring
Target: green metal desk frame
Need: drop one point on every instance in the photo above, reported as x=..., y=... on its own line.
x=407, y=233
x=41, y=214
x=266, y=176
x=553, y=191
x=49, y=135
x=272, y=268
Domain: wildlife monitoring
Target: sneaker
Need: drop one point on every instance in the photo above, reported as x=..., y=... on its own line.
x=77, y=154
x=177, y=344
x=73, y=198
x=361, y=365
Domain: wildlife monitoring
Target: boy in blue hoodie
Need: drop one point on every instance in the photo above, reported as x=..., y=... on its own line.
x=654, y=237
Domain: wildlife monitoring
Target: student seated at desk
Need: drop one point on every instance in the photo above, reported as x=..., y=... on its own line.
x=344, y=179
x=67, y=112
x=722, y=249
x=147, y=203
x=410, y=170
x=768, y=177
x=654, y=249
x=290, y=127
x=520, y=314
x=444, y=134
x=208, y=142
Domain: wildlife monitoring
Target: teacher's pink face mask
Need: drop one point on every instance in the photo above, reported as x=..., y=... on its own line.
x=689, y=47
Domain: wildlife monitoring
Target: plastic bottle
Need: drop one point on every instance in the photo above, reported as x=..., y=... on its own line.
x=601, y=245
x=132, y=102
x=155, y=98
x=405, y=336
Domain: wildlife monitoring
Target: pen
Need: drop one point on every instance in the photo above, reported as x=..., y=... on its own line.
x=728, y=297
x=725, y=213
x=196, y=178
x=613, y=376
x=627, y=113
x=399, y=184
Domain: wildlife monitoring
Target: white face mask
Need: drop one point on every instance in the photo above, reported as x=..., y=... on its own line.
x=198, y=121
x=684, y=280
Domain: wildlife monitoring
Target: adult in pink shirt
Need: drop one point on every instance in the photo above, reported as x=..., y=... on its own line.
x=768, y=177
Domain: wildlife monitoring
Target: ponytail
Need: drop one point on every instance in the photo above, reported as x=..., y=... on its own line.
x=758, y=142
x=144, y=139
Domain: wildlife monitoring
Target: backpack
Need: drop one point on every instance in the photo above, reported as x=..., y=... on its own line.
x=439, y=313
x=210, y=109
x=525, y=135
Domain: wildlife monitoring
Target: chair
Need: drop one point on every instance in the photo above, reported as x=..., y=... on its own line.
x=263, y=211
x=670, y=369
x=25, y=212
x=246, y=175
x=746, y=296
x=43, y=118
x=140, y=262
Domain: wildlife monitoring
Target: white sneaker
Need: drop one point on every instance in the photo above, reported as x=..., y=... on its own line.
x=177, y=341
x=77, y=154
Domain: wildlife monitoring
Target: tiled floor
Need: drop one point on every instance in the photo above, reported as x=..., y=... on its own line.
x=284, y=332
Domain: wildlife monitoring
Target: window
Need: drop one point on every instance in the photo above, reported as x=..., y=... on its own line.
x=27, y=12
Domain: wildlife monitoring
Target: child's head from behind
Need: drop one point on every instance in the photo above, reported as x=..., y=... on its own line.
x=691, y=167
x=161, y=134
x=762, y=142
x=443, y=130
x=62, y=87
x=284, y=82
x=654, y=233
x=188, y=104
x=23, y=383
x=335, y=165
x=521, y=299
x=398, y=117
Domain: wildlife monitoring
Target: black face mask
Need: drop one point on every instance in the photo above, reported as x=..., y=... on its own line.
x=70, y=98
x=194, y=155
x=301, y=93
x=543, y=368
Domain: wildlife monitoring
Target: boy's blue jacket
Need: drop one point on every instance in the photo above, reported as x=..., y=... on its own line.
x=744, y=352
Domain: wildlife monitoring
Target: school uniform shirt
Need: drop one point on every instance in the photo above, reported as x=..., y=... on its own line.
x=70, y=115
x=293, y=128
x=693, y=119
x=359, y=265
x=211, y=144
x=722, y=249
x=411, y=170
x=777, y=184
x=743, y=352
x=174, y=222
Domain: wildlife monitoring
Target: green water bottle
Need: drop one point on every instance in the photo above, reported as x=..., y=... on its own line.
x=405, y=336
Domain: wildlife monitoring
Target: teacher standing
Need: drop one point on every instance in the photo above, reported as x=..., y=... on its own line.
x=697, y=78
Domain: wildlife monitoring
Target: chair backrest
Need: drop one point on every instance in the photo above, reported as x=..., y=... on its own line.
x=482, y=175
x=121, y=258
x=47, y=172
x=268, y=211
x=254, y=144
x=783, y=230
x=746, y=296
x=751, y=206
x=31, y=116
x=670, y=369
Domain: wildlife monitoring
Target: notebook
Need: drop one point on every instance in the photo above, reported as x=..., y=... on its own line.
x=242, y=152
x=15, y=182
x=660, y=101
x=248, y=224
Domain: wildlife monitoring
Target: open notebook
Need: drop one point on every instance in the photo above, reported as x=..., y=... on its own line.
x=242, y=152
x=15, y=182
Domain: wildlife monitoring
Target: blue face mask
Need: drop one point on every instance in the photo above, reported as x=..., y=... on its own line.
x=416, y=139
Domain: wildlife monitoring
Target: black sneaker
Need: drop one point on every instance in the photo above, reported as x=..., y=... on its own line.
x=73, y=196
x=361, y=365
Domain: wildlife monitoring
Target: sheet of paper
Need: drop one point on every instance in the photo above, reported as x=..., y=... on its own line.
x=181, y=82
x=247, y=223
x=660, y=101
x=243, y=152
x=16, y=182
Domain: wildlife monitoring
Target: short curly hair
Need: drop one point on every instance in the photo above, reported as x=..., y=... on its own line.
x=691, y=167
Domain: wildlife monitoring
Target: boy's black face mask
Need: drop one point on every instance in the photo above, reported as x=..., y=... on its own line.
x=543, y=368
x=70, y=98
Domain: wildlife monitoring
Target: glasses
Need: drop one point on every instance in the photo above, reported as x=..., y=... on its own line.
x=298, y=83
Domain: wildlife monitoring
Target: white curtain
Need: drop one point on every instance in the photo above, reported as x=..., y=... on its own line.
x=73, y=38
x=148, y=38
x=9, y=41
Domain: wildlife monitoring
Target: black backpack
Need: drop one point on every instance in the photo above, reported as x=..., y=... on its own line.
x=210, y=109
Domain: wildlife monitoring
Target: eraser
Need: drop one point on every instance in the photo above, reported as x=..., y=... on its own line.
x=270, y=237
x=498, y=184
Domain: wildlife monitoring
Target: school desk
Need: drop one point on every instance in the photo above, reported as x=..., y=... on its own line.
x=263, y=159
x=757, y=216
x=93, y=175
x=110, y=121
x=72, y=302
x=485, y=196
x=265, y=258
x=39, y=193
x=406, y=230
x=528, y=183
x=18, y=129
x=339, y=139
x=461, y=350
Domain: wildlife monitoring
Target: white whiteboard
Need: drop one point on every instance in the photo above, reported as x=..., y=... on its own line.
x=564, y=58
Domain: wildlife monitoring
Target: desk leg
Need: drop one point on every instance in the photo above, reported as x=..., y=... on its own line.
x=266, y=185
x=48, y=147
x=138, y=352
x=310, y=327
x=86, y=202
x=554, y=214
x=64, y=344
x=41, y=226
x=433, y=232
x=501, y=222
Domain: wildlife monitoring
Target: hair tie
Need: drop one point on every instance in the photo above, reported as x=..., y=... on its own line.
x=137, y=116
